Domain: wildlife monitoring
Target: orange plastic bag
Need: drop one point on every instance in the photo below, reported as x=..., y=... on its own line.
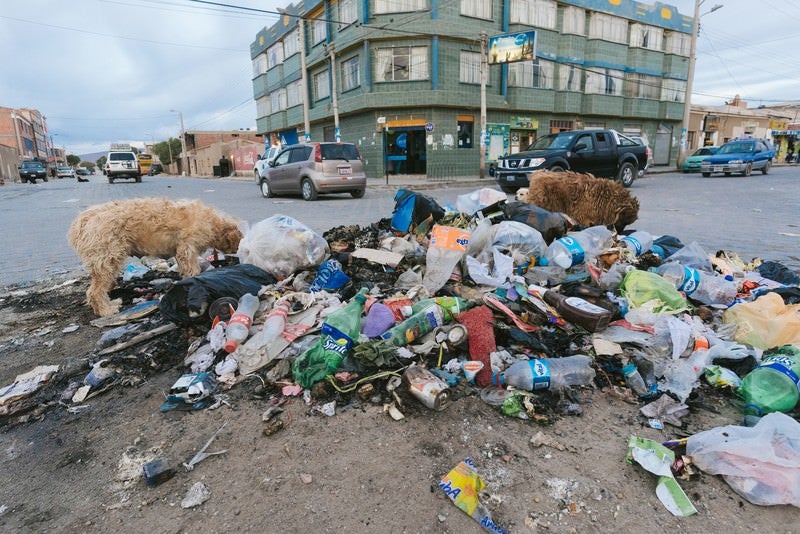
x=766, y=322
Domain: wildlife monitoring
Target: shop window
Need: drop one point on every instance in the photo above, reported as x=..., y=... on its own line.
x=466, y=129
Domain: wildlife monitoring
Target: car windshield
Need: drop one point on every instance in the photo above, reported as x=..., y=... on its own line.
x=557, y=141
x=737, y=148
x=339, y=151
x=64, y=168
x=121, y=156
x=32, y=164
x=703, y=152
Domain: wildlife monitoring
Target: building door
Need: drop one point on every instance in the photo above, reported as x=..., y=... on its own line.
x=405, y=150
x=521, y=139
x=663, y=145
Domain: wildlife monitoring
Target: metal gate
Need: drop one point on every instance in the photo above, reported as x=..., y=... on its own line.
x=663, y=145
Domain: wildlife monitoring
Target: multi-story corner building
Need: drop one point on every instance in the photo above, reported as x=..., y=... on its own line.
x=404, y=77
x=25, y=130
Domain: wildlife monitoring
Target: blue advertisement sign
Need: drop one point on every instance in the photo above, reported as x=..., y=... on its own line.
x=512, y=47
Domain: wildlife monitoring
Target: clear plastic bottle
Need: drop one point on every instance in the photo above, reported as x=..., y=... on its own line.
x=578, y=247
x=273, y=327
x=706, y=288
x=448, y=245
x=639, y=242
x=239, y=324
x=548, y=373
x=634, y=380
x=451, y=306
x=773, y=385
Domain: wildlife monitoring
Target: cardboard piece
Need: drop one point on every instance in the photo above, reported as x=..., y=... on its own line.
x=383, y=257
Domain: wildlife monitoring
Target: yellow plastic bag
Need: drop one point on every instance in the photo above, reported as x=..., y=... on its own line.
x=766, y=322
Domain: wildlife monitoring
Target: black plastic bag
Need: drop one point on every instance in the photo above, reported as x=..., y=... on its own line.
x=189, y=299
x=411, y=209
x=669, y=245
x=550, y=224
x=778, y=272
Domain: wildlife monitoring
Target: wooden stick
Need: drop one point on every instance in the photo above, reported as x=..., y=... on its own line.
x=144, y=336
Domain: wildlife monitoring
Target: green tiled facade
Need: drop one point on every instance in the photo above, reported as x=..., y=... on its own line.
x=432, y=106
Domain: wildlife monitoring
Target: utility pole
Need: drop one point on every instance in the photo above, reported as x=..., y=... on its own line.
x=186, y=170
x=484, y=134
x=169, y=146
x=301, y=35
x=334, y=96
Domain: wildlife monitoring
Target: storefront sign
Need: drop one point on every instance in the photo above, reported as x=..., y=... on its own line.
x=512, y=47
x=524, y=123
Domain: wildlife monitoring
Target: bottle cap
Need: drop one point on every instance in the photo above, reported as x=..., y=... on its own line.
x=231, y=345
x=543, y=261
x=628, y=369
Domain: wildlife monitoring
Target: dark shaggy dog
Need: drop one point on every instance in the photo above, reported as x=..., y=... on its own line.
x=106, y=234
x=588, y=200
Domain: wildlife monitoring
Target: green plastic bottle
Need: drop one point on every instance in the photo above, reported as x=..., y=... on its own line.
x=339, y=331
x=451, y=306
x=773, y=385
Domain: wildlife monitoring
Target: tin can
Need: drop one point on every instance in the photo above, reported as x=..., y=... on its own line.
x=428, y=388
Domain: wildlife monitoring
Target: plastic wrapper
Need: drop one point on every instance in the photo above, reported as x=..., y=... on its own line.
x=463, y=486
x=765, y=322
x=520, y=241
x=501, y=269
x=641, y=287
x=762, y=463
x=692, y=255
x=479, y=199
x=282, y=245
x=551, y=225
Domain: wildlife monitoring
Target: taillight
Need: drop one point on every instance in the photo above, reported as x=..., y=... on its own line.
x=358, y=153
x=318, y=153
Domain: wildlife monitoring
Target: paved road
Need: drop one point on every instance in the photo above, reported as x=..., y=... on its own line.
x=755, y=216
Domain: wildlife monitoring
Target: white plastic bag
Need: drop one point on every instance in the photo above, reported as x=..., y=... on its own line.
x=281, y=246
x=479, y=199
x=762, y=463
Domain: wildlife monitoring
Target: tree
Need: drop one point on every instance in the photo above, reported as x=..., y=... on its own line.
x=73, y=160
x=101, y=162
x=162, y=150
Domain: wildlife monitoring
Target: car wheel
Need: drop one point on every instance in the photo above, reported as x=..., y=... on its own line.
x=110, y=180
x=45, y=178
x=138, y=179
x=706, y=174
x=626, y=174
x=308, y=189
x=358, y=193
x=765, y=170
x=748, y=170
x=557, y=168
x=727, y=174
x=266, y=190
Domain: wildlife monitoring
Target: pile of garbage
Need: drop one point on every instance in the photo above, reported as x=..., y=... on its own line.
x=497, y=299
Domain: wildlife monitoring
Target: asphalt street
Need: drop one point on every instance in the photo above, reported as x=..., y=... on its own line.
x=756, y=216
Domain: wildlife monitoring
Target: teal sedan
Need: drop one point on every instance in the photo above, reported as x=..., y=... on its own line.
x=693, y=162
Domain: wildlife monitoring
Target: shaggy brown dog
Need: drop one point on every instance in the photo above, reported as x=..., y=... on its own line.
x=588, y=200
x=106, y=234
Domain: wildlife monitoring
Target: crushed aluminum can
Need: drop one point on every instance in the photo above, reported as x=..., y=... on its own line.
x=428, y=388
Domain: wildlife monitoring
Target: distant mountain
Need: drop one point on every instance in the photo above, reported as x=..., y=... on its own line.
x=93, y=157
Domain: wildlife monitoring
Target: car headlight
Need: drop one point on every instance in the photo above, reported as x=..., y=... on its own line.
x=736, y=161
x=535, y=162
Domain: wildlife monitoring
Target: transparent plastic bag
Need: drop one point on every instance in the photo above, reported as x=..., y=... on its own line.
x=692, y=255
x=766, y=322
x=282, y=245
x=762, y=463
x=479, y=199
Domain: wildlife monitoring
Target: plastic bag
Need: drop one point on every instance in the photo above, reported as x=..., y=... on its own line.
x=414, y=211
x=282, y=245
x=766, y=322
x=520, y=241
x=189, y=298
x=479, y=199
x=641, y=287
x=762, y=463
x=550, y=224
x=502, y=269
x=692, y=255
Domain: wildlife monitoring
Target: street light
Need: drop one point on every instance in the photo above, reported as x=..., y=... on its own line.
x=687, y=100
x=186, y=171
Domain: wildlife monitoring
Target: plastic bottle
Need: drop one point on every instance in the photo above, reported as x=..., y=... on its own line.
x=575, y=309
x=773, y=385
x=639, y=242
x=339, y=331
x=272, y=329
x=446, y=249
x=416, y=326
x=578, y=247
x=705, y=288
x=451, y=306
x=239, y=324
x=634, y=380
x=548, y=373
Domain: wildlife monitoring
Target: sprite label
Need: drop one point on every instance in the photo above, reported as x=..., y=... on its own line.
x=335, y=340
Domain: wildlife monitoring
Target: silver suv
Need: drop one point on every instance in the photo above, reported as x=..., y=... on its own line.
x=122, y=165
x=313, y=169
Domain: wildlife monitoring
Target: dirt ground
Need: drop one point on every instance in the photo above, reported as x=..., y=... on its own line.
x=358, y=471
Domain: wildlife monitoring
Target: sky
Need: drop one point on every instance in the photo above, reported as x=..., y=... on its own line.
x=105, y=71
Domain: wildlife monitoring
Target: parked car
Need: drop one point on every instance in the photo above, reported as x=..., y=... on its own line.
x=262, y=164
x=122, y=163
x=741, y=156
x=30, y=171
x=695, y=160
x=83, y=171
x=313, y=169
x=641, y=140
x=65, y=172
x=605, y=153
x=155, y=168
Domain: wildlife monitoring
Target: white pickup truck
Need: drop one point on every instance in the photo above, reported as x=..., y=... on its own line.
x=262, y=163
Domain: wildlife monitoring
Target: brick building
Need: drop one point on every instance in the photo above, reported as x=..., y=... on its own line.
x=407, y=76
x=206, y=148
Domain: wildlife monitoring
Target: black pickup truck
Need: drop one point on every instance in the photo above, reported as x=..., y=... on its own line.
x=604, y=153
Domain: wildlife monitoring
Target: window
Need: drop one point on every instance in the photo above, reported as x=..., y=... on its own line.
x=321, y=85
x=300, y=154
x=537, y=74
x=643, y=86
x=283, y=157
x=646, y=36
x=570, y=77
x=673, y=90
x=678, y=43
x=348, y=12
x=278, y=100
x=291, y=43
x=609, y=28
x=263, y=107
x=318, y=31
x=481, y=9
x=539, y=13
x=401, y=63
x=470, y=67
x=586, y=140
x=574, y=20
x=604, y=81
x=466, y=129
x=294, y=94
x=259, y=65
x=398, y=6
x=350, y=74
x=274, y=55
